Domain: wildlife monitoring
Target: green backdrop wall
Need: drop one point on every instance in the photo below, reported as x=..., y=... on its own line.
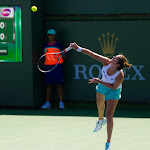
x=95, y=7
x=133, y=42
x=85, y=22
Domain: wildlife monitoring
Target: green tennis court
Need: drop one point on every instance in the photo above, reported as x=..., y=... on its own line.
x=72, y=129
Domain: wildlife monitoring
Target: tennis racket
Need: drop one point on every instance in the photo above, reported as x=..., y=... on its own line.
x=52, y=57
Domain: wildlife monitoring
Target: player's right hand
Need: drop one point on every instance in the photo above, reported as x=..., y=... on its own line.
x=74, y=46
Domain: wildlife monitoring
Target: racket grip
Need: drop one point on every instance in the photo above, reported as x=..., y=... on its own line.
x=68, y=49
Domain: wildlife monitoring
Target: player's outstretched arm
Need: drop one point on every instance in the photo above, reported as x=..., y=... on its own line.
x=100, y=58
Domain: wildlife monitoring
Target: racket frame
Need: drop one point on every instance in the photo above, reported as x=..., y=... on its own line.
x=62, y=53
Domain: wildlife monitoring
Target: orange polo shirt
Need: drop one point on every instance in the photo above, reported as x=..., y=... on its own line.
x=52, y=59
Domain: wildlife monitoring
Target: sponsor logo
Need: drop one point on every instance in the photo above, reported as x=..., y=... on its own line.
x=6, y=12
x=112, y=79
x=3, y=52
x=83, y=72
x=108, y=44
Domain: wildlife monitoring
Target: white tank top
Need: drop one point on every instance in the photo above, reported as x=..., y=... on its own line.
x=110, y=79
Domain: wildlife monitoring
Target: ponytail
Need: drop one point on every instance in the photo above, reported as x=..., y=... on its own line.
x=127, y=65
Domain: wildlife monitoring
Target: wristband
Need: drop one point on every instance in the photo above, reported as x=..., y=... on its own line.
x=79, y=49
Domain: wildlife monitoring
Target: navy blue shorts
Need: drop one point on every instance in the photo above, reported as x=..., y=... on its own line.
x=56, y=76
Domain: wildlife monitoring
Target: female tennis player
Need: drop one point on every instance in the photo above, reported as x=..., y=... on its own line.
x=108, y=89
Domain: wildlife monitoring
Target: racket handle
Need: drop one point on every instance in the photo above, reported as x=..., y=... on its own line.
x=68, y=49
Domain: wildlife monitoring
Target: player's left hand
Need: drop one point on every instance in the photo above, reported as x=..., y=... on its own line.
x=94, y=80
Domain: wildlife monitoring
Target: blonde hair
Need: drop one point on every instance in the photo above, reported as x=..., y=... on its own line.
x=123, y=62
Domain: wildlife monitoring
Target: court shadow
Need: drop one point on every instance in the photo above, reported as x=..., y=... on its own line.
x=88, y=110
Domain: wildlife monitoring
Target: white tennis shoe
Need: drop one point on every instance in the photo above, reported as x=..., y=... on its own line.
x=47, y=105
x=107, y=146
x=61, y=105
x=99, y=124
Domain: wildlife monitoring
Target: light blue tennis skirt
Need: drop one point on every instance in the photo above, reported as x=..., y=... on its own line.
x=109, y=93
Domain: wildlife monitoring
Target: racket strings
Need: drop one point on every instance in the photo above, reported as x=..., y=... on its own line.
x=58, y=59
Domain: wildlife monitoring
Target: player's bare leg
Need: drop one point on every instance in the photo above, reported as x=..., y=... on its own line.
x=100, y=101
x=101, y=107
x=110, y=109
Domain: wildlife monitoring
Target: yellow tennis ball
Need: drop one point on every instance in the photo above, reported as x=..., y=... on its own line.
x=34, y=8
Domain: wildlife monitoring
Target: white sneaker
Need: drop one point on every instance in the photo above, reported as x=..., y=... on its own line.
x=61, y=105
x=107, y=146
x=47, y=105
x=99, y=124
